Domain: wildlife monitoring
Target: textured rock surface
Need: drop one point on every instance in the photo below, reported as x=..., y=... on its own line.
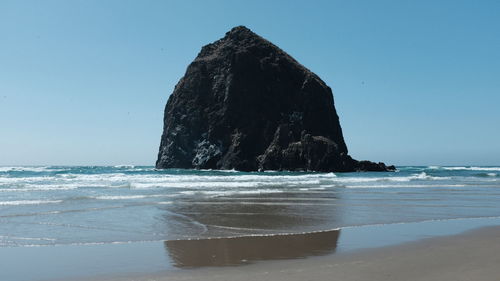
x=245, y=104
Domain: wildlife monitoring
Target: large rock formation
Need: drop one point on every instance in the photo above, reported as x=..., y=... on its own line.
x=245, y=104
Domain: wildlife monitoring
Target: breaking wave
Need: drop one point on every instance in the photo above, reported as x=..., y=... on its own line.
x=472, y=168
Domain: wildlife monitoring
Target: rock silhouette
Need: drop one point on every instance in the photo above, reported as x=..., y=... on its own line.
x=245, y=104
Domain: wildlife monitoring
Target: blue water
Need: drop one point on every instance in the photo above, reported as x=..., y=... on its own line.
x=60, y=205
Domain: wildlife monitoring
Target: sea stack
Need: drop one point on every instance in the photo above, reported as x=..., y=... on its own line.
x=245, y=104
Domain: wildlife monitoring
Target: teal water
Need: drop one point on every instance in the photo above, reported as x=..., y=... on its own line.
x=60, y=205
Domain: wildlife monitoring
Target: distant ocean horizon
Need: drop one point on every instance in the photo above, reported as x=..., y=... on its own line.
x=75, y=205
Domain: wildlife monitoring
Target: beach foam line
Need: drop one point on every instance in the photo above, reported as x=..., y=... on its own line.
x=124, y=166
x=337, y=228
x=126, y=197
x=28, y=202
x=14, y=180
x=472, y=168
x=31, y=169
x=231, y=192
x=238, y=236
x=406, y=186
x=27, y=238
x=419, y=176
x=193, y=177
x=31, y=188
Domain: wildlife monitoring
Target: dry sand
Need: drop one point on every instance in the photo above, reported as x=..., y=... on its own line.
x=472, y=256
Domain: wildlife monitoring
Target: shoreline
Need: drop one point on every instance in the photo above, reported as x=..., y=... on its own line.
x=243, y=258
x=472, y=255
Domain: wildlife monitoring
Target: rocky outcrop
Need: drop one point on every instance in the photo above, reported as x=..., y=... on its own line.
x=245, y=104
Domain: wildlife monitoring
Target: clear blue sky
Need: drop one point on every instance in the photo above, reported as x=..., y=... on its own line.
x=85, y=82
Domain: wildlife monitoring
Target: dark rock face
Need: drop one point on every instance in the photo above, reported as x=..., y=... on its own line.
x=245, y=104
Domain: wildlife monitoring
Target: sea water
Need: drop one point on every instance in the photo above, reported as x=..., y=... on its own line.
x=77, y=205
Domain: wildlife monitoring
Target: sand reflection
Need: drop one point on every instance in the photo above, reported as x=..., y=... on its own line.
x=241, y=250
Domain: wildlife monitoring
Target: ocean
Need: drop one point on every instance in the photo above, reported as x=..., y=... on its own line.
x=94, y=205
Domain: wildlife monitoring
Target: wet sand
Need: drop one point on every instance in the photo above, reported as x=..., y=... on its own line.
x=245, y=250
x=474, y=256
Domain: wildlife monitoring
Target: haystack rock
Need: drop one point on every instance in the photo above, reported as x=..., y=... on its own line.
x=245, y=104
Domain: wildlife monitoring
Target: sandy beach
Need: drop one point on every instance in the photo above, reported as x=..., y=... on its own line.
x=473, y=255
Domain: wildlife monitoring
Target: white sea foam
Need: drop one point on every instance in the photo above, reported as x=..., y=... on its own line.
x=313, y=188
x=420, y=176
x=472, y=168
x=124, y=166
x=231, y=192
x=161, y=178
x=186, y=181
x=122, y=197
x=38, y=188
x=126, y=197
x=30, y=169
x=406, y=186
x=221, y=184
x=28, y=202
x=27, y=238
x=221, y=171
x=14, y=180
